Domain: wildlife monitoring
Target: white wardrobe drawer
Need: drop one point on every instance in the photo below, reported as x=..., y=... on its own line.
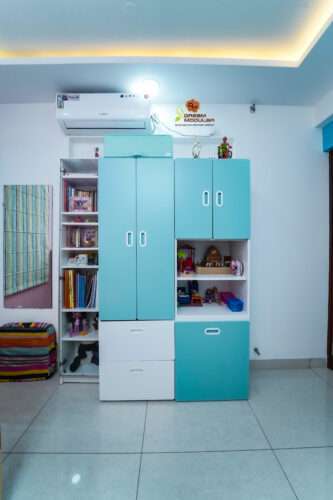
x=137, y=380
x=136, y=340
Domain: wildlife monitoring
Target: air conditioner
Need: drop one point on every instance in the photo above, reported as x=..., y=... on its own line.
x=97, y=114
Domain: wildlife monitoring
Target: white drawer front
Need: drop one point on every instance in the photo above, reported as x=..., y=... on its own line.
x=136, y=340
x=137, y=380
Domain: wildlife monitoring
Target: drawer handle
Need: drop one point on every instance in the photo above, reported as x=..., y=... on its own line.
x=136, y=370
x=212, y=331
x=137, y=330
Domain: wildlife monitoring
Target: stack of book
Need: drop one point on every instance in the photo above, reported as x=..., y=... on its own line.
x=79, y=289
x=81, y=237
x=80, y=200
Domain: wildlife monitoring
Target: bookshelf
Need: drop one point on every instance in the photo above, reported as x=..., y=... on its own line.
x=78, y=267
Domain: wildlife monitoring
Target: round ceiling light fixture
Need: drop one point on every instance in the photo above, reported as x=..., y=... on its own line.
x=148, y=88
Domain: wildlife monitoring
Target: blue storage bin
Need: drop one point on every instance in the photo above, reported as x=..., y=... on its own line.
x=235, y=305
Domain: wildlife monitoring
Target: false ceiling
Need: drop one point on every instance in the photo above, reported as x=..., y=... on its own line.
x=267, y=32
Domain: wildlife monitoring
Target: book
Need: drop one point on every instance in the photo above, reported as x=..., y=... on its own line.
x=80, y=288
x=79, y=200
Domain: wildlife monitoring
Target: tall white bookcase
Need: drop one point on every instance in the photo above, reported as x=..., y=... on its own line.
x=80, y=174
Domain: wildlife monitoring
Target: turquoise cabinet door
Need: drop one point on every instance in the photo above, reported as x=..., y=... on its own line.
x=212, y=361
x=117, y=238
x=193, y=195
x=155, y=238
x=231, y=199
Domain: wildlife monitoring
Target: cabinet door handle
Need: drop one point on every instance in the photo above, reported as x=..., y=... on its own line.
x=142, y=238
x=212, y=331
x=129, y=239
x=219, y=198
x=205, y=198
x=136, y=330
x=136, y=370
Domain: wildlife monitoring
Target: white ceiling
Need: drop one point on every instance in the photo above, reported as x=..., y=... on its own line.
x=33, y=30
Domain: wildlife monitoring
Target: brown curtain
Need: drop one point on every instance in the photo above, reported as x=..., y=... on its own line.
x=330, y=291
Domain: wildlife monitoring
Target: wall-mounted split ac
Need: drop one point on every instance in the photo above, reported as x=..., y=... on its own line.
x=97, y=114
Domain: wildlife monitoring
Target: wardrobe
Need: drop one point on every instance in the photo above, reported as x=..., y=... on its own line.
x=150, y=205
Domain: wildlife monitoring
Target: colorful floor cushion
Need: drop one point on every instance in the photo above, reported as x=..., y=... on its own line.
x=28, y=351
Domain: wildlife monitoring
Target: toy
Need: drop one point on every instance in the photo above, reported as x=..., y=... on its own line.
x=196, y=149
x=189, y=296
x=224, y=150
x=78, y=325
x=212, y=258
x=227, y=260
x=183, y=298
x=237, y=267
x=233, y=303
x=211, y=295
x=185, y=259
x=196, y=300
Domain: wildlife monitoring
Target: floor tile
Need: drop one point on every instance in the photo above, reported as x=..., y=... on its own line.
x=298, y=431
x=294, y=407
x=214, y=476
x=290, y=392
x=325, y=374
x=75, y=421
x=19, y=404
x=205, y=426
x=70, y=477
x=10, y=434
x=25, y=398
x=310, y=472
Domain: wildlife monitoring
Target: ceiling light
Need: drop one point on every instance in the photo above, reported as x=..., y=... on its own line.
x=146, y=87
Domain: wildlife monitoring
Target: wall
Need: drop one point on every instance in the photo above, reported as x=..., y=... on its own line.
x=289, y=211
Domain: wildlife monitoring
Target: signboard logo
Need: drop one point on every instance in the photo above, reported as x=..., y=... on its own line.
x=191, y=115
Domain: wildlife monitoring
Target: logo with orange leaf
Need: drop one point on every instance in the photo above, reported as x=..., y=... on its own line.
x=192, y=105
x=192, y=116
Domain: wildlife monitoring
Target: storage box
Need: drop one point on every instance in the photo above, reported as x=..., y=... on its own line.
x=213, y=270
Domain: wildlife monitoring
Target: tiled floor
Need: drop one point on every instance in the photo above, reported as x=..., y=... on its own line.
x=61, y=443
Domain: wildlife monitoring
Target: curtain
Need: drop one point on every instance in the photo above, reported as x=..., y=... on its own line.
x=330, y=293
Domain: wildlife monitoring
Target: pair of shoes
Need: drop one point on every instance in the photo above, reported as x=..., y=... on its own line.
x=82, y=354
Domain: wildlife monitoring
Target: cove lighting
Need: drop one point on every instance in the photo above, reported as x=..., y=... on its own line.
x=285, y=52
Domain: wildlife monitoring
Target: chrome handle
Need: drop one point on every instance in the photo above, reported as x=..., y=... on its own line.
x=136, y=370
x=129, y=240
x=205, y=198
x=142, y=238
x=212, y=331
x=219, y=198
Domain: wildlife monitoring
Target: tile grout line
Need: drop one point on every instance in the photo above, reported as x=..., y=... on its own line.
x=272, y=450
x=33, y=420
x=326, y=382
x=174, y=452
x=141, y=453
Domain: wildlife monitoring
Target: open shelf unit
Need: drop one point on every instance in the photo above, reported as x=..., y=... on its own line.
x=238, y=285
x=78, y=240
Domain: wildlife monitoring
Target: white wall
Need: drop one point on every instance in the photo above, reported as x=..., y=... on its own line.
x=289, y=212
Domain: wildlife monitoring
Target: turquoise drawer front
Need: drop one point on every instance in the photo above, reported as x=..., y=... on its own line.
x=212, y=361
x=146, y=146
